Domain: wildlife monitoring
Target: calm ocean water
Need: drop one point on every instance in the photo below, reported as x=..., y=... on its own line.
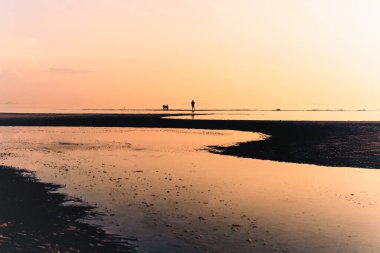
x=236, y=114
x=288, y=115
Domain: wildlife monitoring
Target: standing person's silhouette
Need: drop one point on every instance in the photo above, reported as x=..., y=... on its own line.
x=192, y=105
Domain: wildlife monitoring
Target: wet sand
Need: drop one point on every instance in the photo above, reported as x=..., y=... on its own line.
x=165, y=188
x=35, y=218
x=339, y=144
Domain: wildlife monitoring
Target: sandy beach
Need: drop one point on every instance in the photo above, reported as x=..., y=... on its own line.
x=163, y=187
x=189, y=126
x=326, y=143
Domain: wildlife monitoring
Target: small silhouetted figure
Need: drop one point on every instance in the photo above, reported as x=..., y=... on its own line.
x=165, y=107
x=192, y=105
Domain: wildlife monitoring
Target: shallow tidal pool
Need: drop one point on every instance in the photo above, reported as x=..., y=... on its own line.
x=163, y=187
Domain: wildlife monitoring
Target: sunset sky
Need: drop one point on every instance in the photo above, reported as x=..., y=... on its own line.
x=296, y=54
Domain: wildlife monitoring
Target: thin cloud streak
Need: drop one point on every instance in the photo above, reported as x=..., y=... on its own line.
x=69, y=71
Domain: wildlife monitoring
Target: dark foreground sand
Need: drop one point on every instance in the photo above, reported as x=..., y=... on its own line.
x=35, y=218
x=341, y=144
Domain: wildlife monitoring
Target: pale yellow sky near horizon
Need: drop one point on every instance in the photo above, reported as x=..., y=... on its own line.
x=224, y=54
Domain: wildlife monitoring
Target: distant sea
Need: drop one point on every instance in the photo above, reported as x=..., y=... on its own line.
x=219, y=114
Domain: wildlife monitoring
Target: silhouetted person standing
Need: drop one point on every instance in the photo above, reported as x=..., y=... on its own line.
x=192, y=105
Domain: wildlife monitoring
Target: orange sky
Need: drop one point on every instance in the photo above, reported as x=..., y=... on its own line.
x=222, y=53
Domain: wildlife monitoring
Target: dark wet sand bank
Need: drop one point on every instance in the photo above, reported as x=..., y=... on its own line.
x=35, y=218
x=342, y=144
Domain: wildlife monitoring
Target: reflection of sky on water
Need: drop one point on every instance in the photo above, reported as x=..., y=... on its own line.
x=156, y=183
x=288, y=115
x=309, y=115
